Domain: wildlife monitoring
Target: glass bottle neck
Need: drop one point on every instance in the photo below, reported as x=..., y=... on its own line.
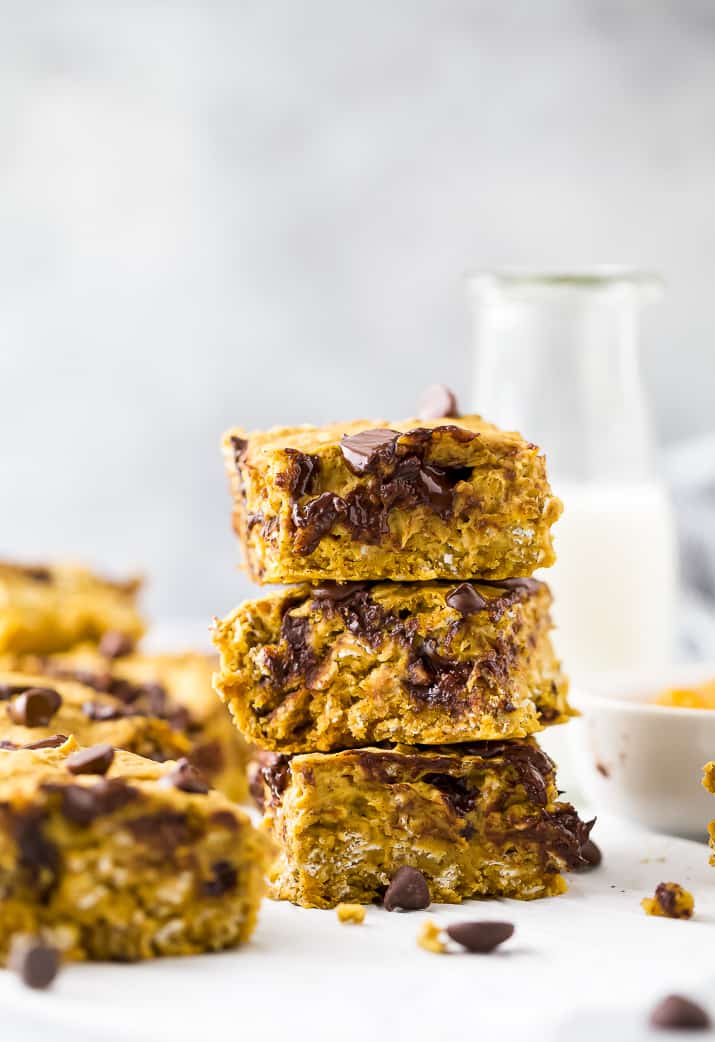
x=558, y=360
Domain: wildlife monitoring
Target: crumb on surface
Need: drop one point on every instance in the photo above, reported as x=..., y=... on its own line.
x=669, y=901
x=429, y=937
x=348, y=913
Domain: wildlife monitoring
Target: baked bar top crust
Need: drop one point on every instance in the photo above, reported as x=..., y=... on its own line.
x=179, y=685
x=416, y=499
x=347, y=665
x=35, y=709
x=46, y=608
x=475, y=820
x=141, y=861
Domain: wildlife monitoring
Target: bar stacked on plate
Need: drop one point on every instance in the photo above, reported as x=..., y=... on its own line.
x=395, y=689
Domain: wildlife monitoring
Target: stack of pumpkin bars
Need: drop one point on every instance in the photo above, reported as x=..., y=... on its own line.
x=394, y=692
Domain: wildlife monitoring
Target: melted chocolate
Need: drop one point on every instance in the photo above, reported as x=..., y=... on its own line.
x=456, y=792
x=396, y=476
x=434, y=679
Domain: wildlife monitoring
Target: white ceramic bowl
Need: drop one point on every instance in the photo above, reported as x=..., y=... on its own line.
x=642, y=761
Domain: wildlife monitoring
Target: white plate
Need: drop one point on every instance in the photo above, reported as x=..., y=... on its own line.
x=587, y=965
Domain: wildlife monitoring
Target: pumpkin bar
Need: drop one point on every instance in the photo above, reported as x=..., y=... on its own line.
x=709, y=783
x=179, y=685
x=476, y=820
x=46, y=608
x=36, y=711
x=107, y=855
x=344, y=665
x=449, y=498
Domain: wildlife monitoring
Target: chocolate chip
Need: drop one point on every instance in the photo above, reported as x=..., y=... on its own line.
x=408, y=891
x=362, y=451
x=240, y=446
x=675, y=1011
x=115, y=644
x=224, y=879
x=480, y=936
x=186, y=778
x=466, y=600
x=101, y=711
x=8, y=690
x=35, y=707
x=591, y=854
x=335, y=592
x=164, y=831
x=437, y=401
x=37, y=574
x=53, y=742
x=37, y=964
x=81, y=804
x=97, y=759
x=528, y=584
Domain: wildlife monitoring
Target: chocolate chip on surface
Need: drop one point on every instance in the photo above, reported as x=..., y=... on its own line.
x=97, y=759
x=36, y=963
x=186, y=778
x=675, y=1011
x=465, y=599
x=408, y=891
x=591, y=853
x=115, y=644
x=437, y=401
x=480, y=936
x=362, y=451
x=35, y=707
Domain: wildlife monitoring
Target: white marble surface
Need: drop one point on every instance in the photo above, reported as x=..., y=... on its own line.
x=587, y=965
x=217, y=212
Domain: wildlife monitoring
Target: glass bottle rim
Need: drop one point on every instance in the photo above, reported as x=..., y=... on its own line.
x=597, y=278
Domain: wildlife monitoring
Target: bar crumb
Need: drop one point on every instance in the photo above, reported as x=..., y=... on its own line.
x=348, y=913
x=429, y=937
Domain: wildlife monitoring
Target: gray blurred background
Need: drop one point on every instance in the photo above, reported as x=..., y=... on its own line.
x=263, y=212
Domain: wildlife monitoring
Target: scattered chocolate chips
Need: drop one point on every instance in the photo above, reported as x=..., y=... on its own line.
x=185, y=777
x=115, y=644
x=35, y=707
x=97, y=759
x=363, y=451
x=37, y=964
x=437, y=401
x=466, y=600
x=677, y=1012
x=408, y=891
x=223, y=880
x=480, y=936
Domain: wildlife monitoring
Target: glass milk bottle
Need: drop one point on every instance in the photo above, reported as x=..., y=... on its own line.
x=557, y=359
